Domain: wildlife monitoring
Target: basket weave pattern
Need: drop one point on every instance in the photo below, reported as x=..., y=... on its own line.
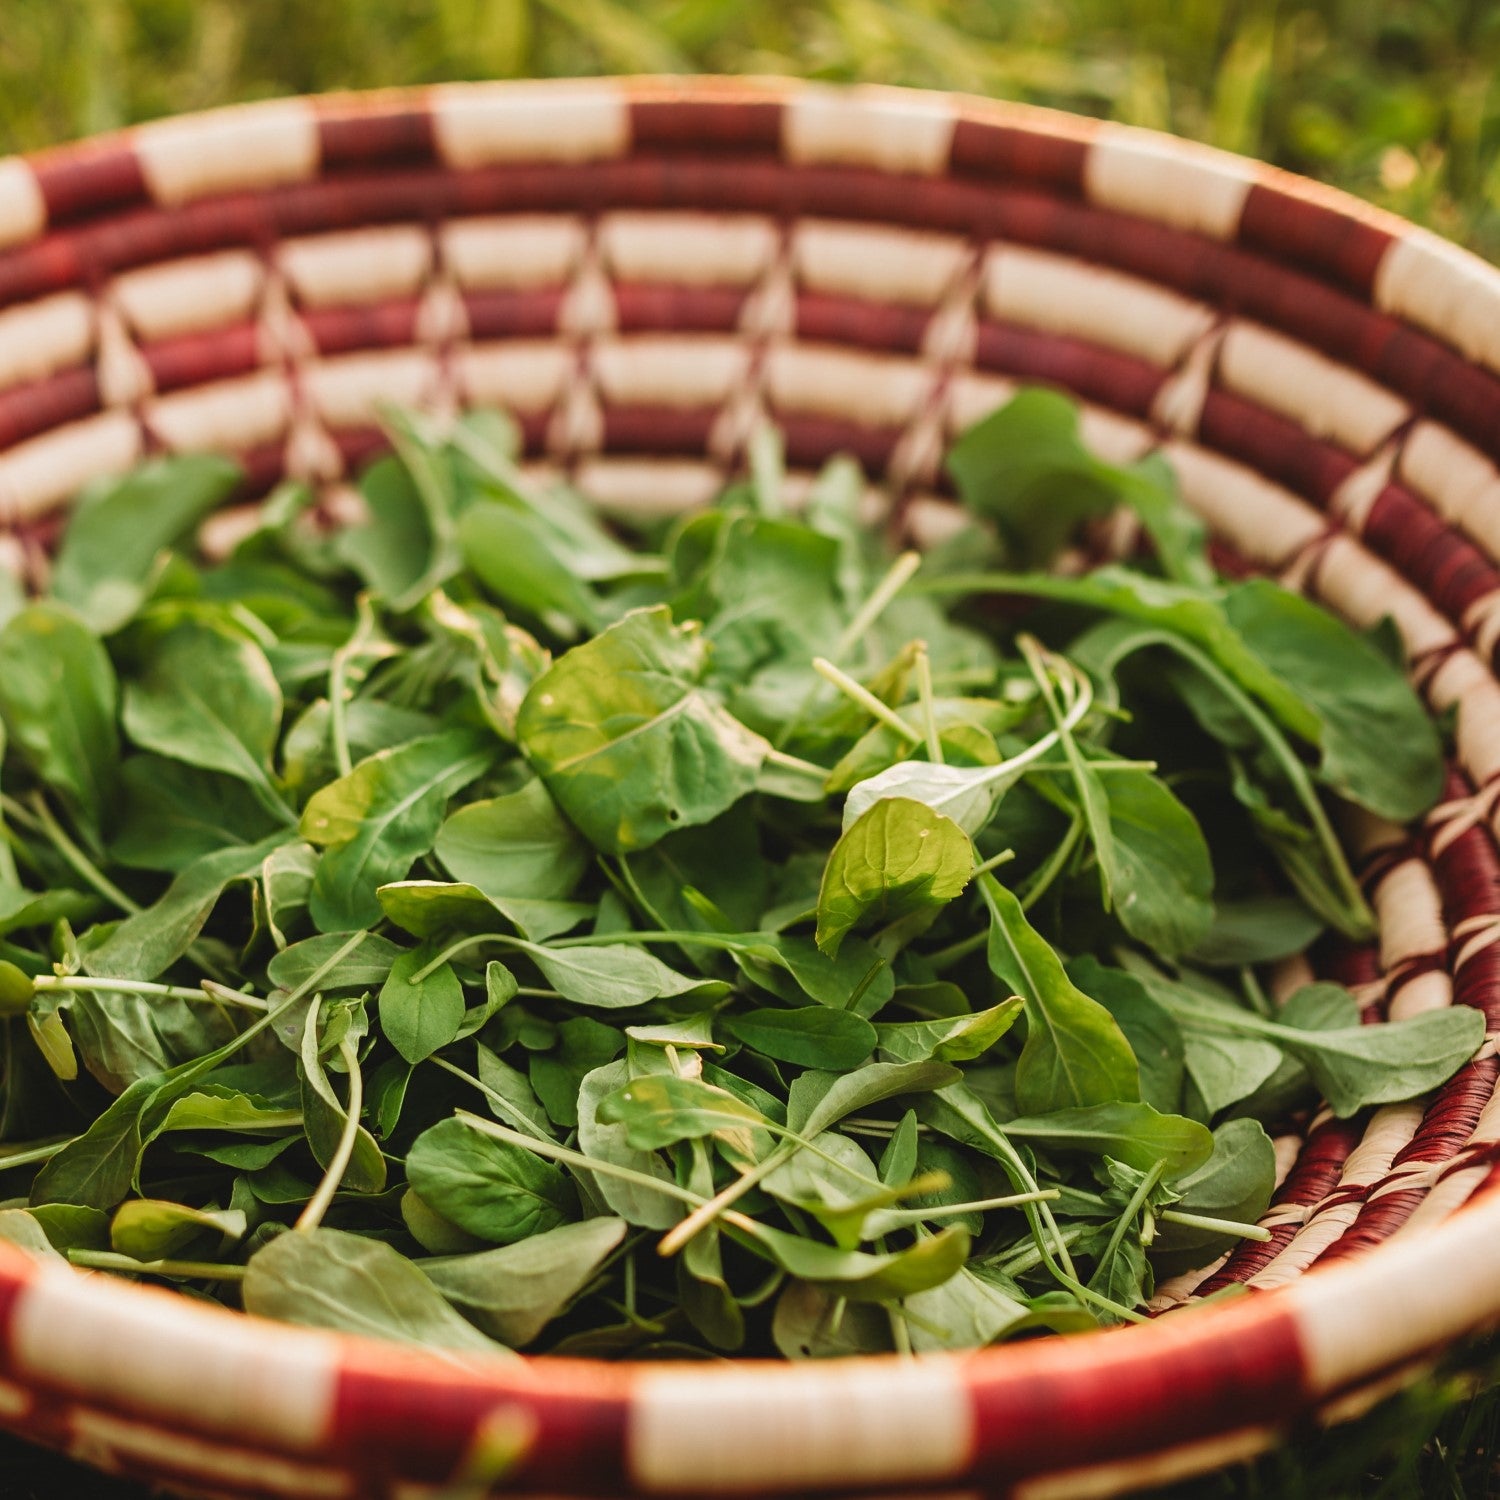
x=641, y=272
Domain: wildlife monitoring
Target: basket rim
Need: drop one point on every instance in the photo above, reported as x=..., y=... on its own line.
x=1254, y=1360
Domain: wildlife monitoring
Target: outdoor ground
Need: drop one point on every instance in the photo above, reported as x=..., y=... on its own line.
x=1392, y=99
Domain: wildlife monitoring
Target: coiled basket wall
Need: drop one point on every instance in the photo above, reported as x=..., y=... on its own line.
x=641, y=271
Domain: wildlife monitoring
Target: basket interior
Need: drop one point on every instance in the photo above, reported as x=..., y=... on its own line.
x=641, y=274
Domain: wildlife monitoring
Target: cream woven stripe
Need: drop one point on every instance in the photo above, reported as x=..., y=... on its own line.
x=158, y=1352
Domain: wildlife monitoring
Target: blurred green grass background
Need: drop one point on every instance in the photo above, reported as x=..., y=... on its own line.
x=1393, y=99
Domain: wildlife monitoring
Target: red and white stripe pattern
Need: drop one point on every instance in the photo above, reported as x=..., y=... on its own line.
x=640, y=271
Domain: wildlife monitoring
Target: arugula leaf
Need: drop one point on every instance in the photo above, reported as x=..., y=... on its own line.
x=516, y=845
x=1075, y=1053
x=1025, y=464
x=497, y=1192
x=897, y=858
x=627, y=739
x=58, y=694
x=327, y=1278
x=117, y=534
x=209, y=697
x=372, y=823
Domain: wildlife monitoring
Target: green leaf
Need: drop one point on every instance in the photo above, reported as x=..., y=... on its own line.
x=1235, y=1183
x=364, y=967
x=856, y=1274
x=1026, y=466
x=513, y=1292
x=96, y=1169
x=57, y=696
x=819, y=1100
x=208, y=696
x=1159, y=871
x=627, y=739
x=1075, y=1053
x=858, y=978
x=1256, y=930
x=375, y=821
x=1379, y=746
x=607, y=976
x=326, y=1278
x=516, y=845
x=154, y=1229
x=898, y=857
x=420, y=1017
x=810, y=1037
x=427, y=908
x=634, y=1202
x=151, y=941
x=492, y=1189
x=950, y=1039
x=968, y=1311
x=172, y=813
x=509, y=551
x=116, y=534
x=1154, y=1036
x=1133, y=1133
x=409, y=548
x=660, y=1110
x=964, y=794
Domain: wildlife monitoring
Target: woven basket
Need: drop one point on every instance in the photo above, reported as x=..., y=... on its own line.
x=641, y=271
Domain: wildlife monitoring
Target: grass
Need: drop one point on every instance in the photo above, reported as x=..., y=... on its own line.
x=1392, y=101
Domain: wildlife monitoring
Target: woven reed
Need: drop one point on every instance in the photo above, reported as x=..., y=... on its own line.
x=641, y=272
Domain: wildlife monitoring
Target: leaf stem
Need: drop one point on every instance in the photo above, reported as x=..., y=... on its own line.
x=26, y=1156
x=979, y=1206
x=81, y=864
x=1056, y=863
x=572, y=1158
x=316, y=1206
x=338, y=673
x=858, y=693
x=994, y=862
x=929, y=713
x=1217, y=1226
x=897, y=576
x=108, y=1260
x=208, y=991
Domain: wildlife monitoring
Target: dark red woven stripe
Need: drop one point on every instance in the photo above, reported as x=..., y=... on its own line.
x=199, y=358
x=15, y=1272
x=985, y=149
x=641, y=306
x=1444, y=564
x=533, y=425
x=1290, y=226
x=658, y=429
x=1314, y=1176
x=823, y=318
x=509, y=315
x=365, y=136
x=78, y=181
x=398, y=1417
x=1050, y=1405
x=1230, y=276
x=375, y=325
x=1277, y=446
x=1097, y=374
x=747, y=125
x=812, y=440
x=264, y=468
x=359, y=445
x=28, y=410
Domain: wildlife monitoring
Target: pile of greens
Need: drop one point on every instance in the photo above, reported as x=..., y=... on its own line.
x=485, y=929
